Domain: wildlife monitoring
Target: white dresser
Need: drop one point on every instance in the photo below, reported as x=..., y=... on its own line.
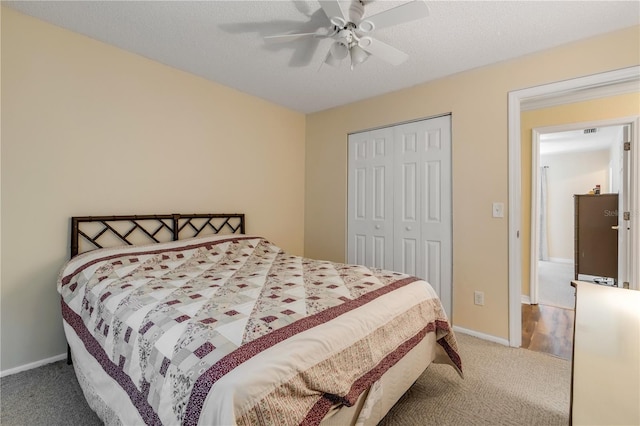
x=605, y=388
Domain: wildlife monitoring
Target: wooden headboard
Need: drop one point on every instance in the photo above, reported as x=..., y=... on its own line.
x=92, y=232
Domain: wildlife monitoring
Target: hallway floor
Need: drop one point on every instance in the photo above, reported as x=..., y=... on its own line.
x=548, y=329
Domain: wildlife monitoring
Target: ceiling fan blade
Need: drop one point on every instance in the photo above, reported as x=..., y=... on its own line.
x=284, y=38
x=382, y=50
x=334, y=12
x=416, y=9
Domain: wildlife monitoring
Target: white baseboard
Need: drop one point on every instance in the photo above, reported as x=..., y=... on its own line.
x=482, y=336
x=560, y=260
x=526, y=299
x=33, y=365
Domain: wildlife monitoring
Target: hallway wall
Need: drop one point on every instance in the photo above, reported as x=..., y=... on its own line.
x=569, y=174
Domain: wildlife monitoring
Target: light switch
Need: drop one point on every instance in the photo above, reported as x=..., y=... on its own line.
x=498, y=209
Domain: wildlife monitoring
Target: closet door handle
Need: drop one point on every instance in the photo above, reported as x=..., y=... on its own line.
x=408, y=228
x=378, y=226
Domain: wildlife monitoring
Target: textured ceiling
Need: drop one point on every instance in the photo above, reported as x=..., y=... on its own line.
x=578, y=141
x=222, y=40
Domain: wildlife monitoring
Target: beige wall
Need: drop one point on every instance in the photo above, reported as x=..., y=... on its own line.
x=88, y=129
x=477, y=100
x=598, y=109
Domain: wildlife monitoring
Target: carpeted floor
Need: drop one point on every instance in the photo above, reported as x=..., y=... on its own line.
x=502, y=386
x=47, y=396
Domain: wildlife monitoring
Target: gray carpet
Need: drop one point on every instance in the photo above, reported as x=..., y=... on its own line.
x=502, y=386
x=47, y=396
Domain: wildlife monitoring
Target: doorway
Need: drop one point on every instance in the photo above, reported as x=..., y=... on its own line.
x=619, y=81
x=568, y=161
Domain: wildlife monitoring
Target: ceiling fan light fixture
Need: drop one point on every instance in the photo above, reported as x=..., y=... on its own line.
x=339, y=50
x=331, y=60
x=358, y=55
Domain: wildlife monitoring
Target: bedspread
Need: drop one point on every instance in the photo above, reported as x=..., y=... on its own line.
x=233, y=330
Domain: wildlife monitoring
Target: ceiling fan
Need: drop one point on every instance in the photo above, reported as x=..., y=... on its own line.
x=352, y=33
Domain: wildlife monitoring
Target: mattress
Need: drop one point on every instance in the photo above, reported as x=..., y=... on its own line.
x=233, y=330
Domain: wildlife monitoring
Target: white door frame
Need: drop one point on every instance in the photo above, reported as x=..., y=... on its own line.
x=515, y=99
x=623, y=273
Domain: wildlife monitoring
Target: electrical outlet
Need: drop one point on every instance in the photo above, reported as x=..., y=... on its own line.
x=478, y=298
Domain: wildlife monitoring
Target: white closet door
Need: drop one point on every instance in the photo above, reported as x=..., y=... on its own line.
x=370, y=209
x=409, y=144
x=423, y=216
x=399, y=211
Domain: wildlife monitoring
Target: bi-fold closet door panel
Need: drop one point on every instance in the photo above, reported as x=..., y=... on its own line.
x=409, y=193
x=422, y=213
x=370, y=222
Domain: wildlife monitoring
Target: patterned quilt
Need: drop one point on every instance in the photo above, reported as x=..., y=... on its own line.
x=233, y=330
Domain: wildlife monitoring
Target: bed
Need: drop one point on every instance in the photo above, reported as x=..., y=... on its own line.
x=207, y=325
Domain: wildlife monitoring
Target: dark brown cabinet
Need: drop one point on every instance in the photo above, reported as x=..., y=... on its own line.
x=596, y=235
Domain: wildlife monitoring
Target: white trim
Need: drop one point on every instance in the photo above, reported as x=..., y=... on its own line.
x=536, y=190
x=515, y=251
x=618, y=121
x=622, y=88
x=634, y=206
x=515, y=99
x=526, y=300
x=482, y=336
x=33, y=365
